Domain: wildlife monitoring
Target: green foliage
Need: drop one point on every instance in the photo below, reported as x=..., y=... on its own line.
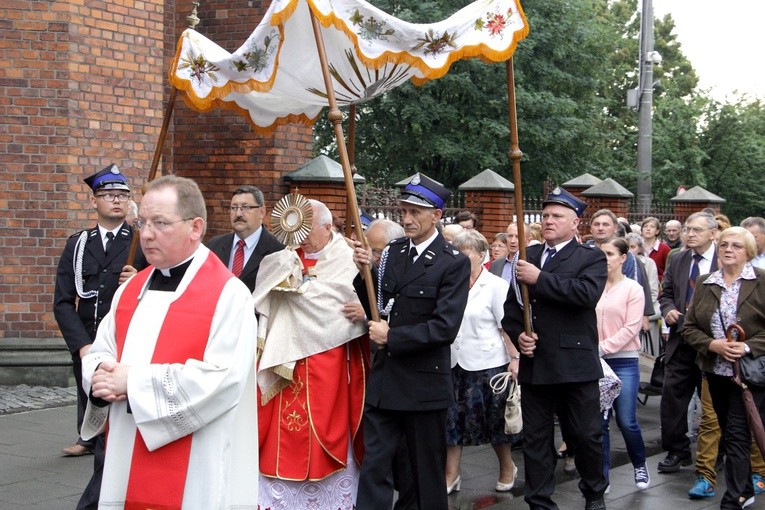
x=734, y=141
x=572, y=74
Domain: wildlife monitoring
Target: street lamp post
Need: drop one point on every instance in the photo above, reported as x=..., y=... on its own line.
x=648, y=57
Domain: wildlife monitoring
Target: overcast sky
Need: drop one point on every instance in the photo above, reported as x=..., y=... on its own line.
x=724, y=40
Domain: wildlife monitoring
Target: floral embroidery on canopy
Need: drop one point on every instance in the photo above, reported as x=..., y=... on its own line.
x=275, y=76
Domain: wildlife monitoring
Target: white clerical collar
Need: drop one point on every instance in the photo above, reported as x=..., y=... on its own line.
x=166, y=272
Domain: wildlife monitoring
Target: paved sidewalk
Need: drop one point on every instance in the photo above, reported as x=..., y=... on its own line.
x=34, y=475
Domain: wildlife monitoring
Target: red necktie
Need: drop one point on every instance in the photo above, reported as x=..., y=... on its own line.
x=238, y=258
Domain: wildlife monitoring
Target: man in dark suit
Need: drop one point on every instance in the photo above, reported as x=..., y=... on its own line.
x=423, y=293
x=244, y=248
x=90, y=269
x=560, y=366
x=503, y=267
x=681, y=375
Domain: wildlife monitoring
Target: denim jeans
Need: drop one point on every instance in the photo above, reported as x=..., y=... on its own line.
x=625, y=408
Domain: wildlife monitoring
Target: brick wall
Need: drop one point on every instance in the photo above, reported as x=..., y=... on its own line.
x=80, y=88
x=495, y=209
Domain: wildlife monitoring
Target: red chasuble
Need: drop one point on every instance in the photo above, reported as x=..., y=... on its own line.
x=304, y=429
x=157, y=479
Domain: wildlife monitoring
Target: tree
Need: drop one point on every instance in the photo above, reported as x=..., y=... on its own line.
x=455, y=127
x=734, y=141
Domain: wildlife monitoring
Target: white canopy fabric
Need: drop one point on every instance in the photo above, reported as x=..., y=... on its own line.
x=275, y=77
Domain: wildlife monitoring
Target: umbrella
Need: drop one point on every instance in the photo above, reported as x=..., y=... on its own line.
x=752, y=413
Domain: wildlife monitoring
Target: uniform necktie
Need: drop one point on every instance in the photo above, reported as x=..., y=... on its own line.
x=238, y=258
x=109, y=242
x=412, y=256
x=550, y=252
x=692, y=279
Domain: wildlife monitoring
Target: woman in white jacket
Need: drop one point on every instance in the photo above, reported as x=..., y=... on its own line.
x=480, y=351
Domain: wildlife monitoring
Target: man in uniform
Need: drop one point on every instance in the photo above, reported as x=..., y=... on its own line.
x=90, y=269
x=560, y=365
x=422, y=293
x=244, y=248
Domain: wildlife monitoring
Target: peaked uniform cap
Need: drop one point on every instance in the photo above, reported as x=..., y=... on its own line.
x=563, y=197
x=425, y=192
x=107, y=178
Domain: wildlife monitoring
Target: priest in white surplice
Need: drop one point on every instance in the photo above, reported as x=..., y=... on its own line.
x=171, y=370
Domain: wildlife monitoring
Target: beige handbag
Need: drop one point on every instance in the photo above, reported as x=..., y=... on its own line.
x=513, y=417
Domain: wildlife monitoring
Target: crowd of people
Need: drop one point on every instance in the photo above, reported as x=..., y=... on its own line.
x=243, y=373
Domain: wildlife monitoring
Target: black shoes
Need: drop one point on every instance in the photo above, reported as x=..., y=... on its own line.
x=595, y=504
x=672, y=463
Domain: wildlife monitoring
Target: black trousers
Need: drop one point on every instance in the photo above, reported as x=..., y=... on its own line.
x=425, y=439
x=731, y=415
x=579, y=406
x=82, y=400
x=89, y=498
x=681, y=378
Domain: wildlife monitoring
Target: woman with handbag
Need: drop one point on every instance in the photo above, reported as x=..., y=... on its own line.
x=620, y=316
x=734, y=294
x=480, y=351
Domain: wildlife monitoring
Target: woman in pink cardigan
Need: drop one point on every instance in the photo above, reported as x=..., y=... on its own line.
x=620, y=315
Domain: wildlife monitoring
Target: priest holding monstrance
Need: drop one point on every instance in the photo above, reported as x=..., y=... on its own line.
x=312, y=364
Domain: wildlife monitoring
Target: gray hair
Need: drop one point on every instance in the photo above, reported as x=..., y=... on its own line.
x=632, y=237
x=471, y=240
x=323, y=215
x=391, y=229
x=754, y=221
x=711, y=221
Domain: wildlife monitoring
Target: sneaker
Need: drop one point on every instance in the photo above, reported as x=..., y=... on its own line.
x=642, y=478
x=608, y=489
x=701, y=489
x=747, y=502
x=758, y=482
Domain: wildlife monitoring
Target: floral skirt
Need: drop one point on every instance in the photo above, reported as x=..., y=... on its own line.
x=478, y=417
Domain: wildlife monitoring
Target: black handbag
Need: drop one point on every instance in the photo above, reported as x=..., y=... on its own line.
x=657, y=374
x=752, y=370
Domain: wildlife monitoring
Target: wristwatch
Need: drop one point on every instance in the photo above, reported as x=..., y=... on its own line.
x=747, y=349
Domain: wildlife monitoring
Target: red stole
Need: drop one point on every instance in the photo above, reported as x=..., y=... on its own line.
x=304, y=428
x=157, y=478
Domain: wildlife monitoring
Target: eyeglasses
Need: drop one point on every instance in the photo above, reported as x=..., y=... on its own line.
x=243, y=208
x=734, y=246
x=110, y=197
x=157, y=225
x=694, y=230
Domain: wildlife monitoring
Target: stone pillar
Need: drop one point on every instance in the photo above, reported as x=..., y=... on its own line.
x=694, y=200
x=490, y=196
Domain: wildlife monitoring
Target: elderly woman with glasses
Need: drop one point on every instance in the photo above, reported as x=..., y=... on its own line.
x=734, y=294
x=480, y=351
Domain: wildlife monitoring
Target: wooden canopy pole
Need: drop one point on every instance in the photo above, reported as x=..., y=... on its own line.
x=335, y=116
x=352, y=163
x=155, y=163
x=515, y=156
